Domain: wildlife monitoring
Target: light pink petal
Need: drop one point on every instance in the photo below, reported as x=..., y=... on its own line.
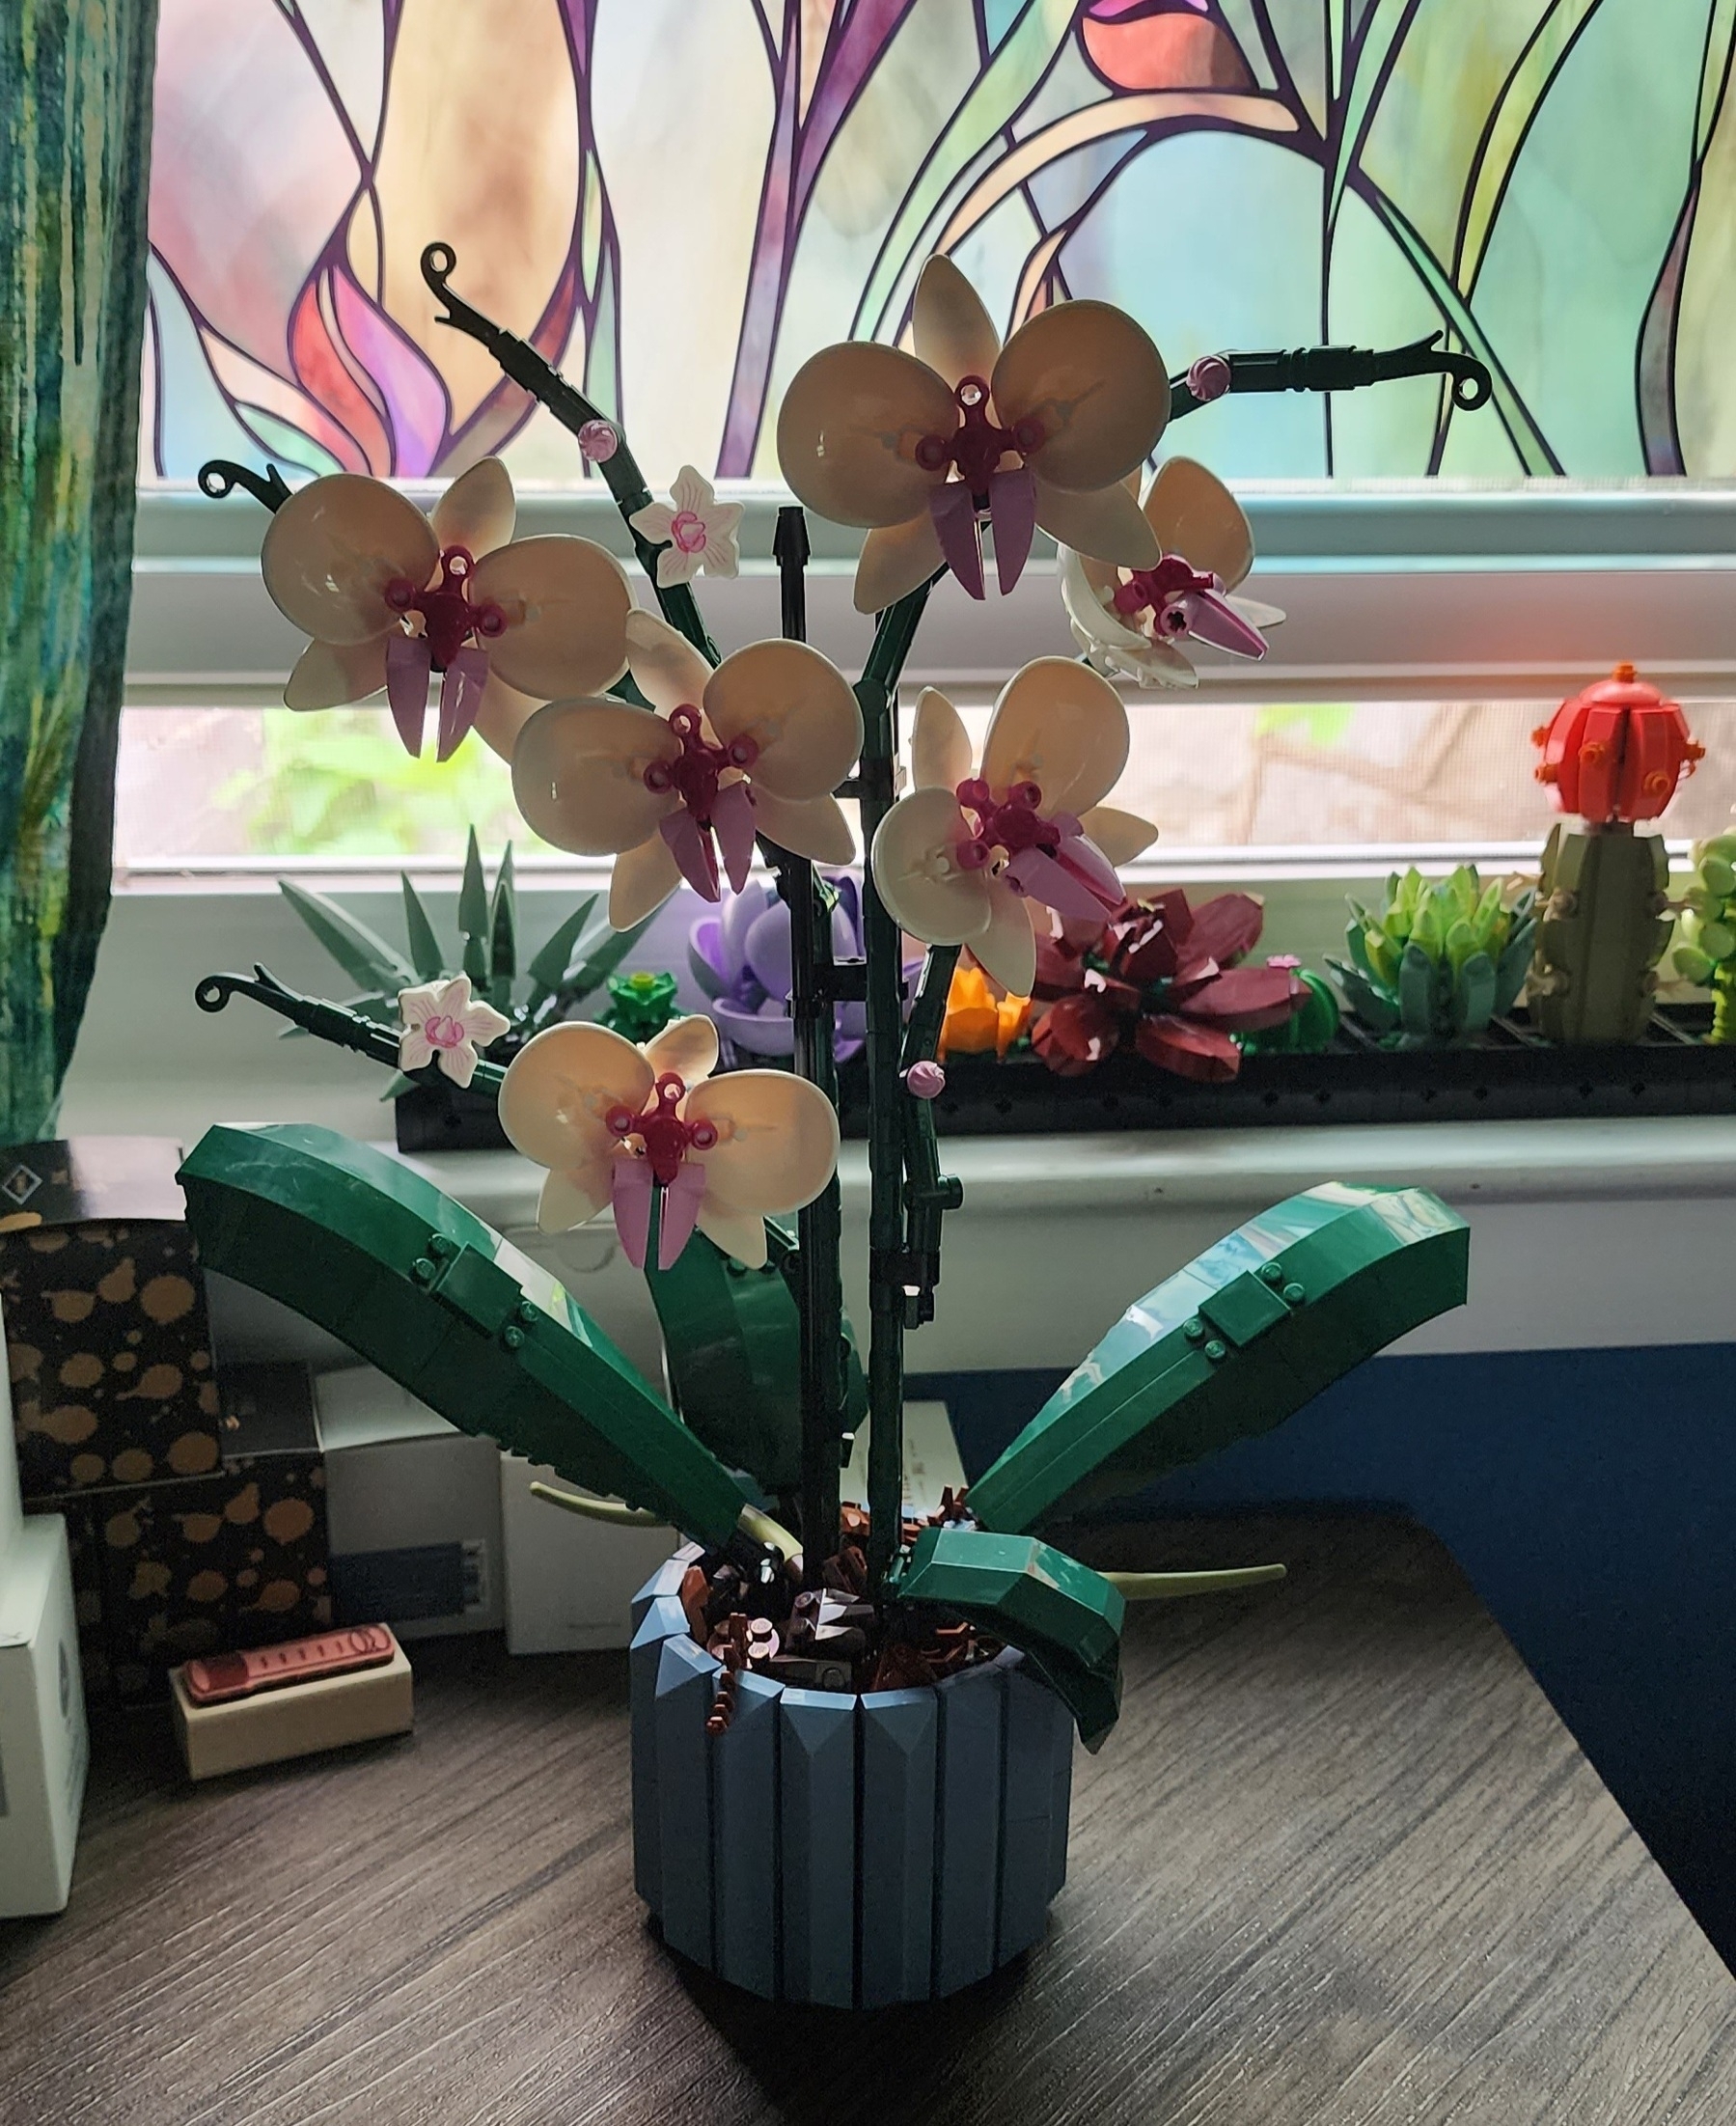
x=565, y=602
x=560, y=1089
x=418, y=1005
x=814, y=827
x=476, y=512
x=666, y=668
x=332, y=675
x=572, y=1198
x=797, y=710
x=692, y=492
x=1122, y=836
x=631, y=1190
x=484, y=1024
x=1061, y=726
x=940, y=746
x=1192, y=514
x=460, y=1062
x=1102, y=522
x=330, y=552
x=895, y=559
x=740, y=1233
x=654, y=522
x=578, y=775
x=918, y=875
x=680, y=1206
x=415, y=1050
x=777, y=1142
x=950, y=329
x=1006, y=947
x=644, y=878
x=675, y=566
x=687, y=1046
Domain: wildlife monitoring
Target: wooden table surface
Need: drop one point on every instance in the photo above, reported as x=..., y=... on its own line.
x=1338, y=1864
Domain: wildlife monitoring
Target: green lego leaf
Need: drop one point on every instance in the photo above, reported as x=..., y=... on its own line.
x=1232, y=1345
x=548, y=968
x=1694, y=965
x=602, y=959
x=1717, y=939
x=503, y=934
x=425, y=953
x=1473, y=995
x=473, y=915
x=1382, y=958
x=370, y=1251
x=1064, y=1617
x=1461, y=945
x=1417, y=991
x=364, y=956
x=1511, y=969
x=1377, y=1012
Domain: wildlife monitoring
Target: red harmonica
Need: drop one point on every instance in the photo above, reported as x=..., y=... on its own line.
x=225, y=1675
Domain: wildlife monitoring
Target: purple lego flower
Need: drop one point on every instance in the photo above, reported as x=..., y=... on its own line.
x=740, y=959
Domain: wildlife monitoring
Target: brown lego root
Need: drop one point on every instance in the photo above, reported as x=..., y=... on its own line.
x=830, y=1637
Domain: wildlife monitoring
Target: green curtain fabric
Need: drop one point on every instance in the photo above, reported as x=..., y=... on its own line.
x=74, y=150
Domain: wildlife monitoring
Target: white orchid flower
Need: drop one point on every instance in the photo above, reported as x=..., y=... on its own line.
x=443, y=1022
x=695, y=530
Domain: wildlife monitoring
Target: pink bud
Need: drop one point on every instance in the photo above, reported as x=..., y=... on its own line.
x=925, y=1081
x=598, y=441
x=1209, y=377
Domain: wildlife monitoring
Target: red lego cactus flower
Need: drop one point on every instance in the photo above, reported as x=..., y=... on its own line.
x=1162, y=977
x=1616, y=753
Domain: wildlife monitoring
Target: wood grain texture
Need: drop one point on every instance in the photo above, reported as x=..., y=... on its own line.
x=1339, y=1866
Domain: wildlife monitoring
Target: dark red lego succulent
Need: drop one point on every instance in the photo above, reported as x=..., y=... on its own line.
x=1161, y=977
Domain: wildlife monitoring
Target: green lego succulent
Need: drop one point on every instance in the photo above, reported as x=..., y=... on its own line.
x=578, y=960
x=1440, y=960
x=1707, y=957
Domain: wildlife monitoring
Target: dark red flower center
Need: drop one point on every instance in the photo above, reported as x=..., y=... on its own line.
x=695, y=772
x=666, y=1138
x=1158, y=590
x=1015, y=823
x=449, y=619
x=978, y=444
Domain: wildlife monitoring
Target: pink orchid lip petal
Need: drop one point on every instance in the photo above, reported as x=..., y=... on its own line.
x=630, y=1196
x=1012, y=512
x=1086, y=861
x=692, y=849
x=682, y=1201
x=954, y=516
x=1210, y=619
x=733, y=820
x=460, y=698
x=1039, y=877
x=408, y=662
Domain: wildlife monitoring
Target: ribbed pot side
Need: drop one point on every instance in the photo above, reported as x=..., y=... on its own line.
x=850, y=1850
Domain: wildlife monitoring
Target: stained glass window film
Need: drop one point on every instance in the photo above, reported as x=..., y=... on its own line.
x=678, y=201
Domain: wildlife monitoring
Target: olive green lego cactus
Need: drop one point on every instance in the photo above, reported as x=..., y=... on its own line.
x=1707, y=955
x=1439, y=960
x=1603, y=926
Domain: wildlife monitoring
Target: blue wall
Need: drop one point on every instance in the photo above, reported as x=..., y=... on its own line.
x=1590, y=1497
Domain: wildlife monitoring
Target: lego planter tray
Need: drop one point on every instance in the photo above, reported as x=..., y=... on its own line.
x=1510, y=1074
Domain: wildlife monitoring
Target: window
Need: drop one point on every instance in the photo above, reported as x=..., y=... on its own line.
x=680, y=202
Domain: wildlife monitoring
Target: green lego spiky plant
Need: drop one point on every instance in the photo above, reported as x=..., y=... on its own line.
x=1707, y=955
x=1439, y=960
x=578, y=960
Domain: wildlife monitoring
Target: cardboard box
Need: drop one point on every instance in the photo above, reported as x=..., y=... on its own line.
x=107, y=1338
x=237, y=1559
x=294, y=1721
x=43, y=1747
x=413, y=1509
x=570, y=1582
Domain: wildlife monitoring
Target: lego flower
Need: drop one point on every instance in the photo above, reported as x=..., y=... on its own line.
x=756, y=746
x=966, y=858
x=698, y=532
x=977, y=1020
x=740, y=957
x=922, y=449
x=443, y=1023
x=629, y=1128
x=391, y=596
x=1132, y=620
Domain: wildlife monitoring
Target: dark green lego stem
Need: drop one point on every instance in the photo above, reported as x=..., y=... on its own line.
x=330, y=1022
x=883, y=946
x=620, y=472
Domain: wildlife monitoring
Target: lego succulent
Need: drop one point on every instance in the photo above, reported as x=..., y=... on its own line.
x=403, y=995
x=1707, y=954
x=1440, y=960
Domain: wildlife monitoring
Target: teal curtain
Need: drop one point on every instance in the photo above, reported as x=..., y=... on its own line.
x=75, y=152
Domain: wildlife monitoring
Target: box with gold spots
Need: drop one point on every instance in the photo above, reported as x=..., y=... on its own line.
x=107, y=1341
x=204, y=1564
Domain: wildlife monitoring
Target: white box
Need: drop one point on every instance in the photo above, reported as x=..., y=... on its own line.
x=43, y=1745
x=931, y=1463
x=412, y=1510
x=570, y=1582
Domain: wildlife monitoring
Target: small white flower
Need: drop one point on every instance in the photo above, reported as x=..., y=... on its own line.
x=442, y=1021
x=698, y=532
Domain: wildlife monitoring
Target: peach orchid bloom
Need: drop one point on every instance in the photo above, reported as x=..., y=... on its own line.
x=970, y=859
x=923, y=448
x=391, y=596
x=1133, y=620
x=756, y=746
x=617, y=1125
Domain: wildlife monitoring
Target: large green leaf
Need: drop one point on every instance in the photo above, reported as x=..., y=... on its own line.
x=1232, y=1345
x=602, y=961
x=548, y=967
x=425, y=951
x=473, y=915
x=503, y=934
x=364, y=956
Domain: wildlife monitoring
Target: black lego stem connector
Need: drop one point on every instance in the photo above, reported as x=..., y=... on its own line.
x=791, y=550
x=1332, y=369
x=222, y=476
